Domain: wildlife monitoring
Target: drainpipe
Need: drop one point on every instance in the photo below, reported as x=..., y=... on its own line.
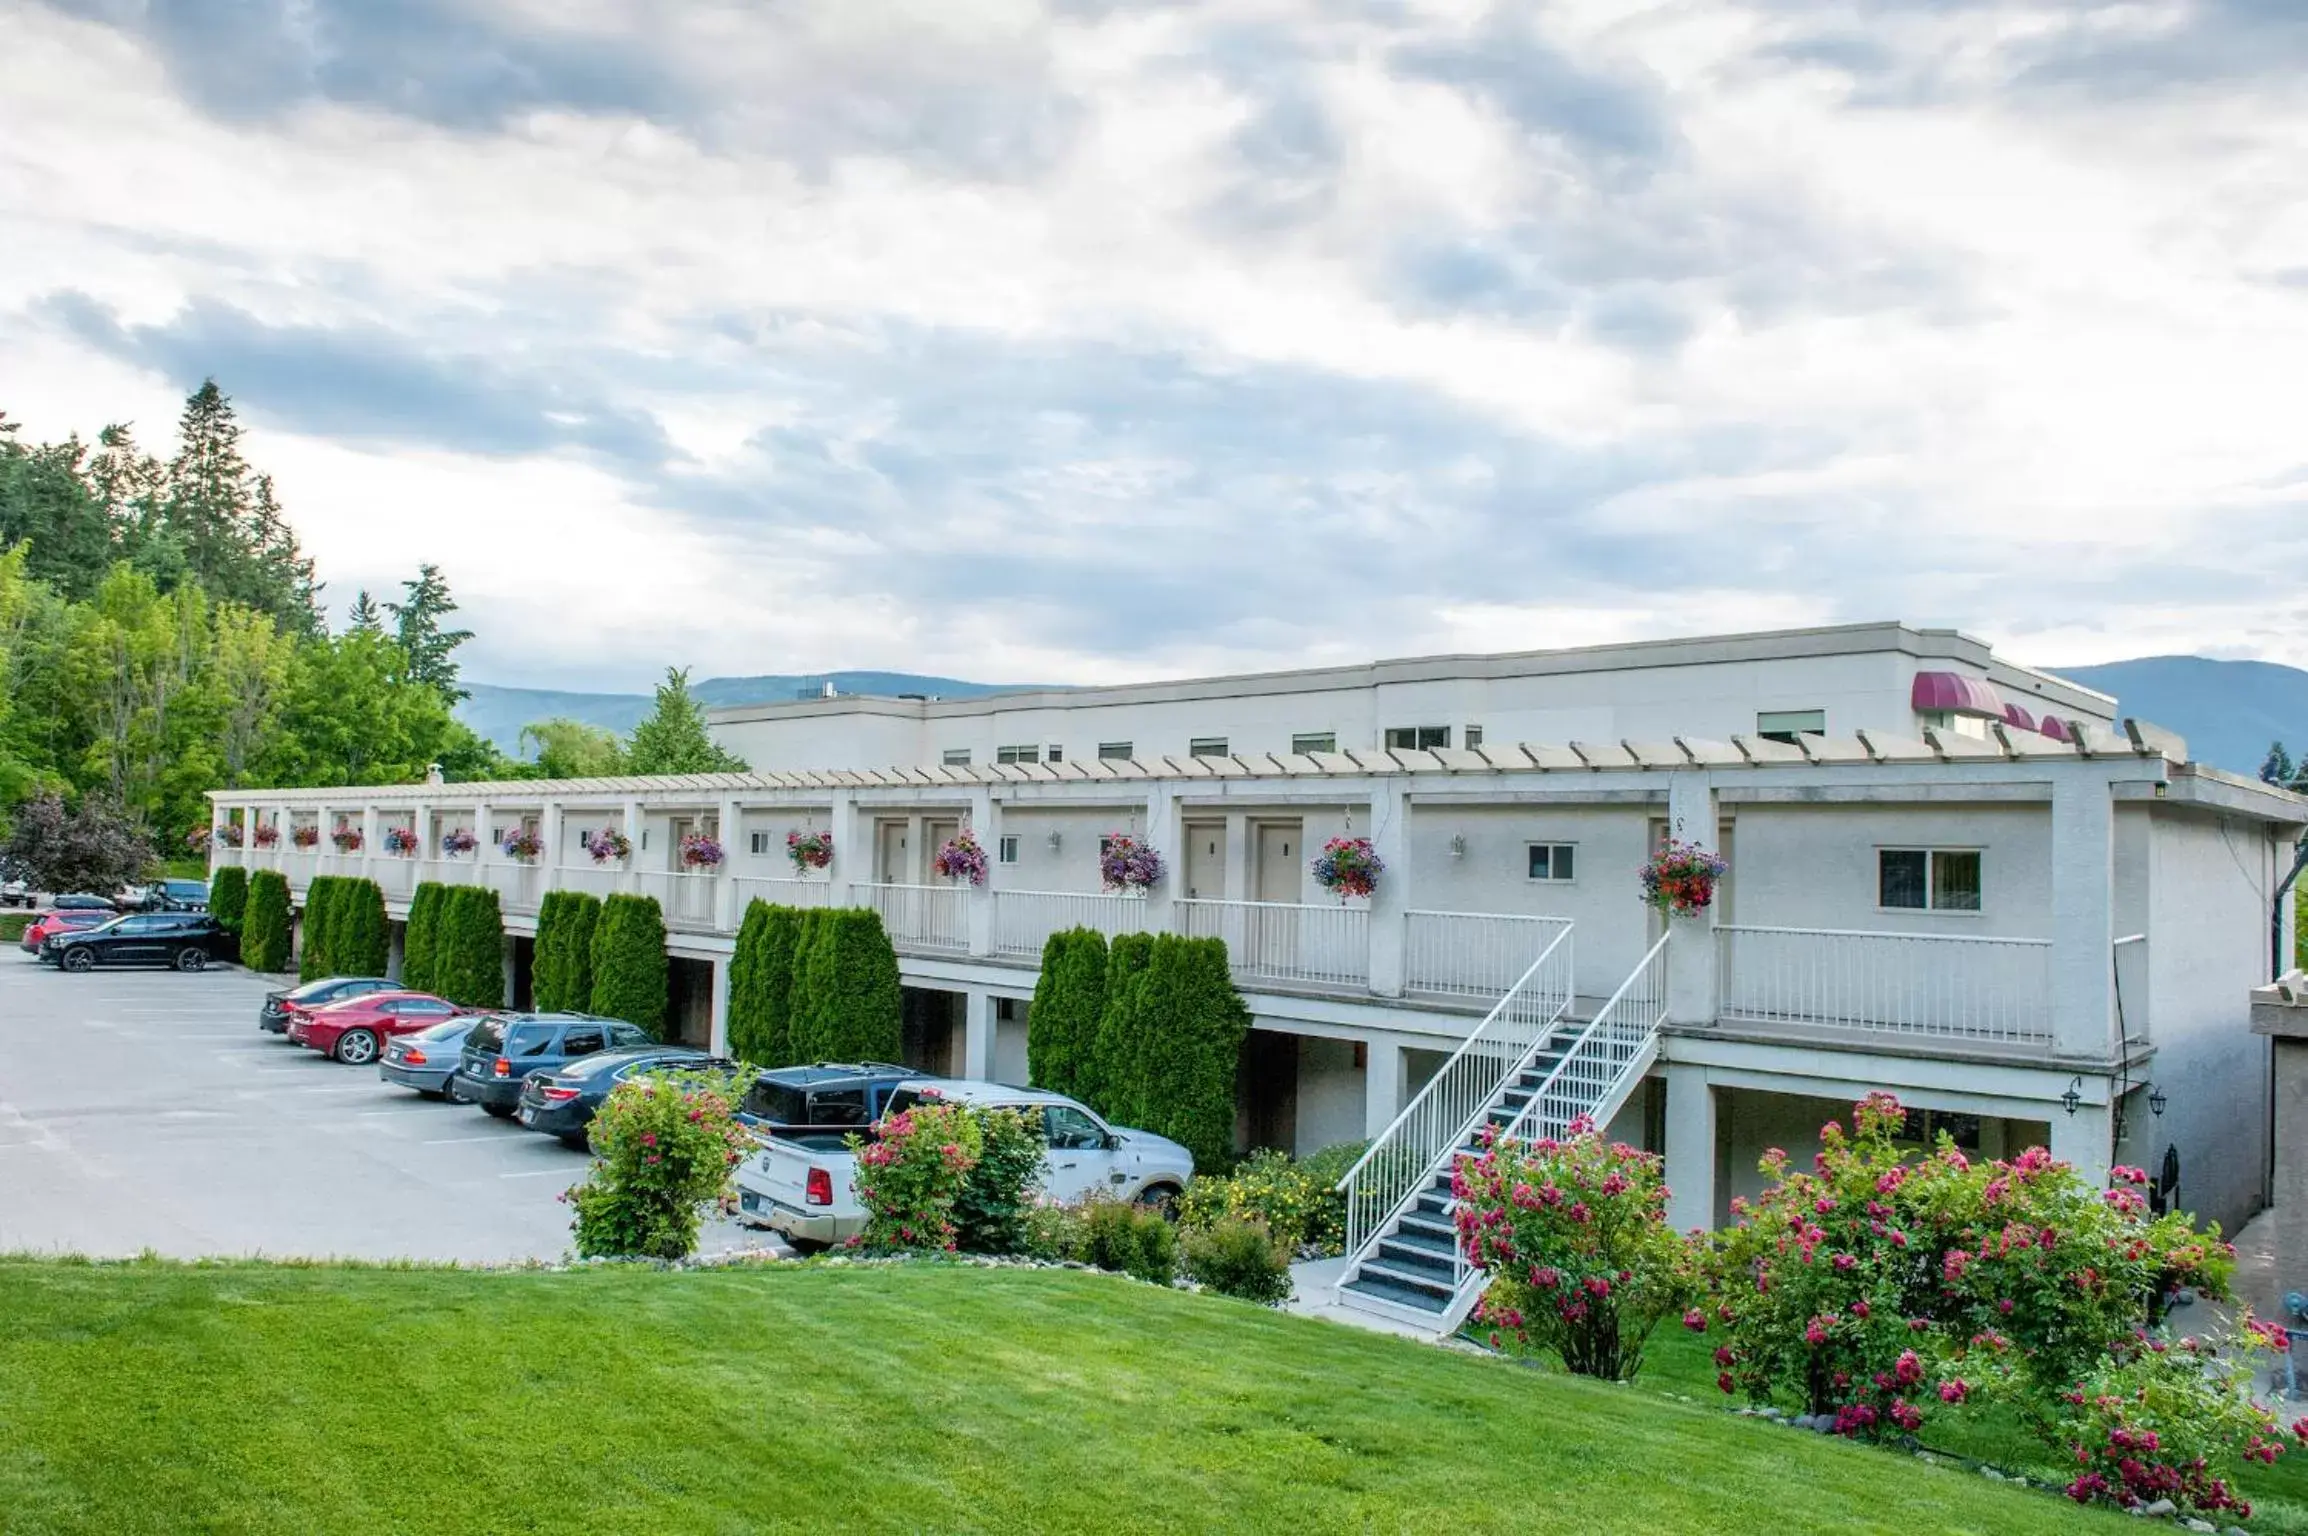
x=2275, y=971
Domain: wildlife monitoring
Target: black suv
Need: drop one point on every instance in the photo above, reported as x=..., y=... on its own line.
x=504, y=1048
x=187, y=941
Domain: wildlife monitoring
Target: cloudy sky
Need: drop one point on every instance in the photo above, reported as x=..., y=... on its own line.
x=1075, y=340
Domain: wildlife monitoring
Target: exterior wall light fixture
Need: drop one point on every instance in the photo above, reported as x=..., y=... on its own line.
x=2073, y=1099
x=2157, y=1100
x=1056, y=839
x=1458, y=845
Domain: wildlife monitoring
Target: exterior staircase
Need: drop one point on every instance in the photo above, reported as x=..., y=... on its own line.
x=1404, y=1261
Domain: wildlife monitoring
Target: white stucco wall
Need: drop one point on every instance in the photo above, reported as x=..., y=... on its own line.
x=1604, y=898
x=1330, y=1095
x=1814, y=866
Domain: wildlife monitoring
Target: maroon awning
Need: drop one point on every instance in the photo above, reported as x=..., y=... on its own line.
x=1955, y=694
x=2013, y=714
x=2054, y=727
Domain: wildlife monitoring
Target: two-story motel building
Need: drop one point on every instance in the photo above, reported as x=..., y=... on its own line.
x=1951, y=876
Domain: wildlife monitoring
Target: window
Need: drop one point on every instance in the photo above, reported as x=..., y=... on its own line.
x=1069, y=1127
x=1027, y=754
x=583, y=1042
x=628, y=1034
x=1314, y=741
x=1924, y=1125
x=758, y=842
x=1784, y=725
x=957, y=757
x=1009, y=850
x=1206, y=746
x=1417, y=738
x=1553, y=861
x=1121, y=750
x=1474, y=737
x=1056, y=754
x=1929, y=879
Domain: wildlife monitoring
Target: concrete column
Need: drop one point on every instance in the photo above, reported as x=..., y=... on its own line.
x=2084, y=1139
x=1382, y=1086
x=1162, y=835
x=718, y=1007
x=625, y=881
x=978, y=1035
x=2083, y=910
x=1389, y=926
x=726, y=908
x=1690, y=1157
x=852, y=859
x=485, y=838
x=985, y=815
x=1691, y=982
x=370, y=832
x=1238, y=856
x=550, y=831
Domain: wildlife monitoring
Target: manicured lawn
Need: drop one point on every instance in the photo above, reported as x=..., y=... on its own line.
x=13, y=924
x=243, y=1399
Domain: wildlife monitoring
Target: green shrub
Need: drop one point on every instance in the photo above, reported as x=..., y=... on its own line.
x=1054, y=1233
x=663, y=1152
x=359, y=947
x=847, y=1005
x=316, y=951
x=264, y=941
x=911, y=1177
x=990, y=1211
x=1298, y=1208
x=228, y=897
x=1130, y=1240
x=1119, y=1074
x=420, y=939
x=1189, y=1021
x=561, y=975
x=628, y=961
x=1240, y=1258
x=761, y=985
x=468, y=948
x=1062, y=1027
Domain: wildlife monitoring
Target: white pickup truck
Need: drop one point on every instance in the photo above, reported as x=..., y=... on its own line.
x=805, y=1188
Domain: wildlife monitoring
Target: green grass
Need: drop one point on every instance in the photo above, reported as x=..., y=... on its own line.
x=156, y=1397
x=12, y=926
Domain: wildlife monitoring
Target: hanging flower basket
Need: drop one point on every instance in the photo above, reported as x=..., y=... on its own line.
x=700, y=852
x=458, y=840
x=347, y=839
x=267, y=835
x=1348, y=866
x=523, y=845
x=962, y=859
x=231, y=834
x=1127, y=864
x=198, y=839
x=1681, y=878
x=305, y=837
x=400, y=840
x=607, y=844
x=809, y=850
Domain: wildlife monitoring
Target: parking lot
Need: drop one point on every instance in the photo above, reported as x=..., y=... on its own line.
x=145, y=1109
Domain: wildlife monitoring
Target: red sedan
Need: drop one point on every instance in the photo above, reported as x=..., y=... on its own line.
x=71, y=919
x=354, y=1031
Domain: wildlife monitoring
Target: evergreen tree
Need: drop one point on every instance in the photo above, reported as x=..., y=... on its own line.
x=1119, y=1074
x=228, y=896
x=313, y=961
x=469, y=948
x=761, y=985
x=629, y=965
x=429, y=651
x=1062, y=1026
x=208, y=492
x=563, y=978
x=673, y=739
x=1191, y=1021
x=849, y=1005
x=364, y=617
x=420, y=940
x=264, y=940
x=360, y=945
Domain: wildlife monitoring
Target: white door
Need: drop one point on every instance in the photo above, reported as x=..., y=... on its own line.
x=1280, y=855
x=1206, y=860
x=935, y=835
x=1080, y=1162
x=890, y=852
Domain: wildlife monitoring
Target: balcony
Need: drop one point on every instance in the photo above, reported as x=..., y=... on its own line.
x=1285, y=943
x=1024, y=920
x=1993, y=991
x=926, y=919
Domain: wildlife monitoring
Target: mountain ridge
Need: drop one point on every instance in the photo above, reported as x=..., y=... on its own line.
x=498, y=712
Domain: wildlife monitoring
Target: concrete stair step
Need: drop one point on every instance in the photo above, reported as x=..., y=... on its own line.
x=1386, y=1287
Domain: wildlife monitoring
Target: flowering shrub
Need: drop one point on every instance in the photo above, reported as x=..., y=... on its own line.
x=1574, y=1233
x=1681, y=878
x=664, y=1147
x=1126, y=864
x=522, y=843
x=699, y=851
x=1240, y=1258
x=459, y=840
x=809, y=850
x=962, y=859
x=400, y=840
x=607, y=844
x=347, y=839
x=198, y=839
x=990, y=1211
x=1128, y=1239
x=1299, y=1210
x=305, y=837
x=1348, y=866
x=910, y=1178
x=267, y=834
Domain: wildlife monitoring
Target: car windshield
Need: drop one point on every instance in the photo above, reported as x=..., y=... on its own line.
x=327, y=987
x=487, y=1035
x=444, y=1033
x=603, y=1062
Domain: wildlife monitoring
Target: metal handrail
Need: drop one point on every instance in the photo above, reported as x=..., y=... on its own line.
x=1887, y=933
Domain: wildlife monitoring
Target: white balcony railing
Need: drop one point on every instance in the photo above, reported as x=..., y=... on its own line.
x=519, y=887
x=447, y=871
x=1952, y=987
x=1024, y=920
x=781, y=891
x=395, y=876
x=1472, y=954
x=593, y=879
x=921, y=917
x=1323, y=946
x=685, y=896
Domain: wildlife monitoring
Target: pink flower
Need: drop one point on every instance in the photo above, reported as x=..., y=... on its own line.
x=1696, y=1321
x=1844, y=1261
x=1723, y=1382
x=1909, y=1369
x=1953, y=1391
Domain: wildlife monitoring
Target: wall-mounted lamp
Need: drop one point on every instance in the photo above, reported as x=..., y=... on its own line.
x=2157, y=1100
x=2073, y=1099
x=1056, y=839
x=1458, y=845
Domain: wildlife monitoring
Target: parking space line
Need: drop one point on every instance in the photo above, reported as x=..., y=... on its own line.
x=535, y=1173
x=464, y=1141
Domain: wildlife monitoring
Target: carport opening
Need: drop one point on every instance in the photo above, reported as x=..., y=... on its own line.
x=689, y=1001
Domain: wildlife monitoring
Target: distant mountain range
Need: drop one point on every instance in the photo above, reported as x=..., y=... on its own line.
x=499, y=713
x=2228, y=710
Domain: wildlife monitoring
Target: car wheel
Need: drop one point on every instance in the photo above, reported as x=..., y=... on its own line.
x=78, y=960
x=1162, y=1199
x=577, y=1143
x=501, y=1111
x=807, y=1247
x=192, y=959
x=356, y=1048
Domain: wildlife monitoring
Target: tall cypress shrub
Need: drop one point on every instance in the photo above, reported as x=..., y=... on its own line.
x=313, y=953
x=629, y=964
x=1118, y=1076
x=360, y=945
x=1062, y=1026
x=421, y=940
x=761, y=985
x=469, y=948
x=847, y=1006
x=563, y=981
x=781, y=977
x=545, y=953
x=1191, y=1022
x=228, y=897
x=264, y=942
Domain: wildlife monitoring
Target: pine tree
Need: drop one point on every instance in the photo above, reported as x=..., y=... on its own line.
x=673, y=739
x=208, y=491
x=430, y=650
x=364, y=618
